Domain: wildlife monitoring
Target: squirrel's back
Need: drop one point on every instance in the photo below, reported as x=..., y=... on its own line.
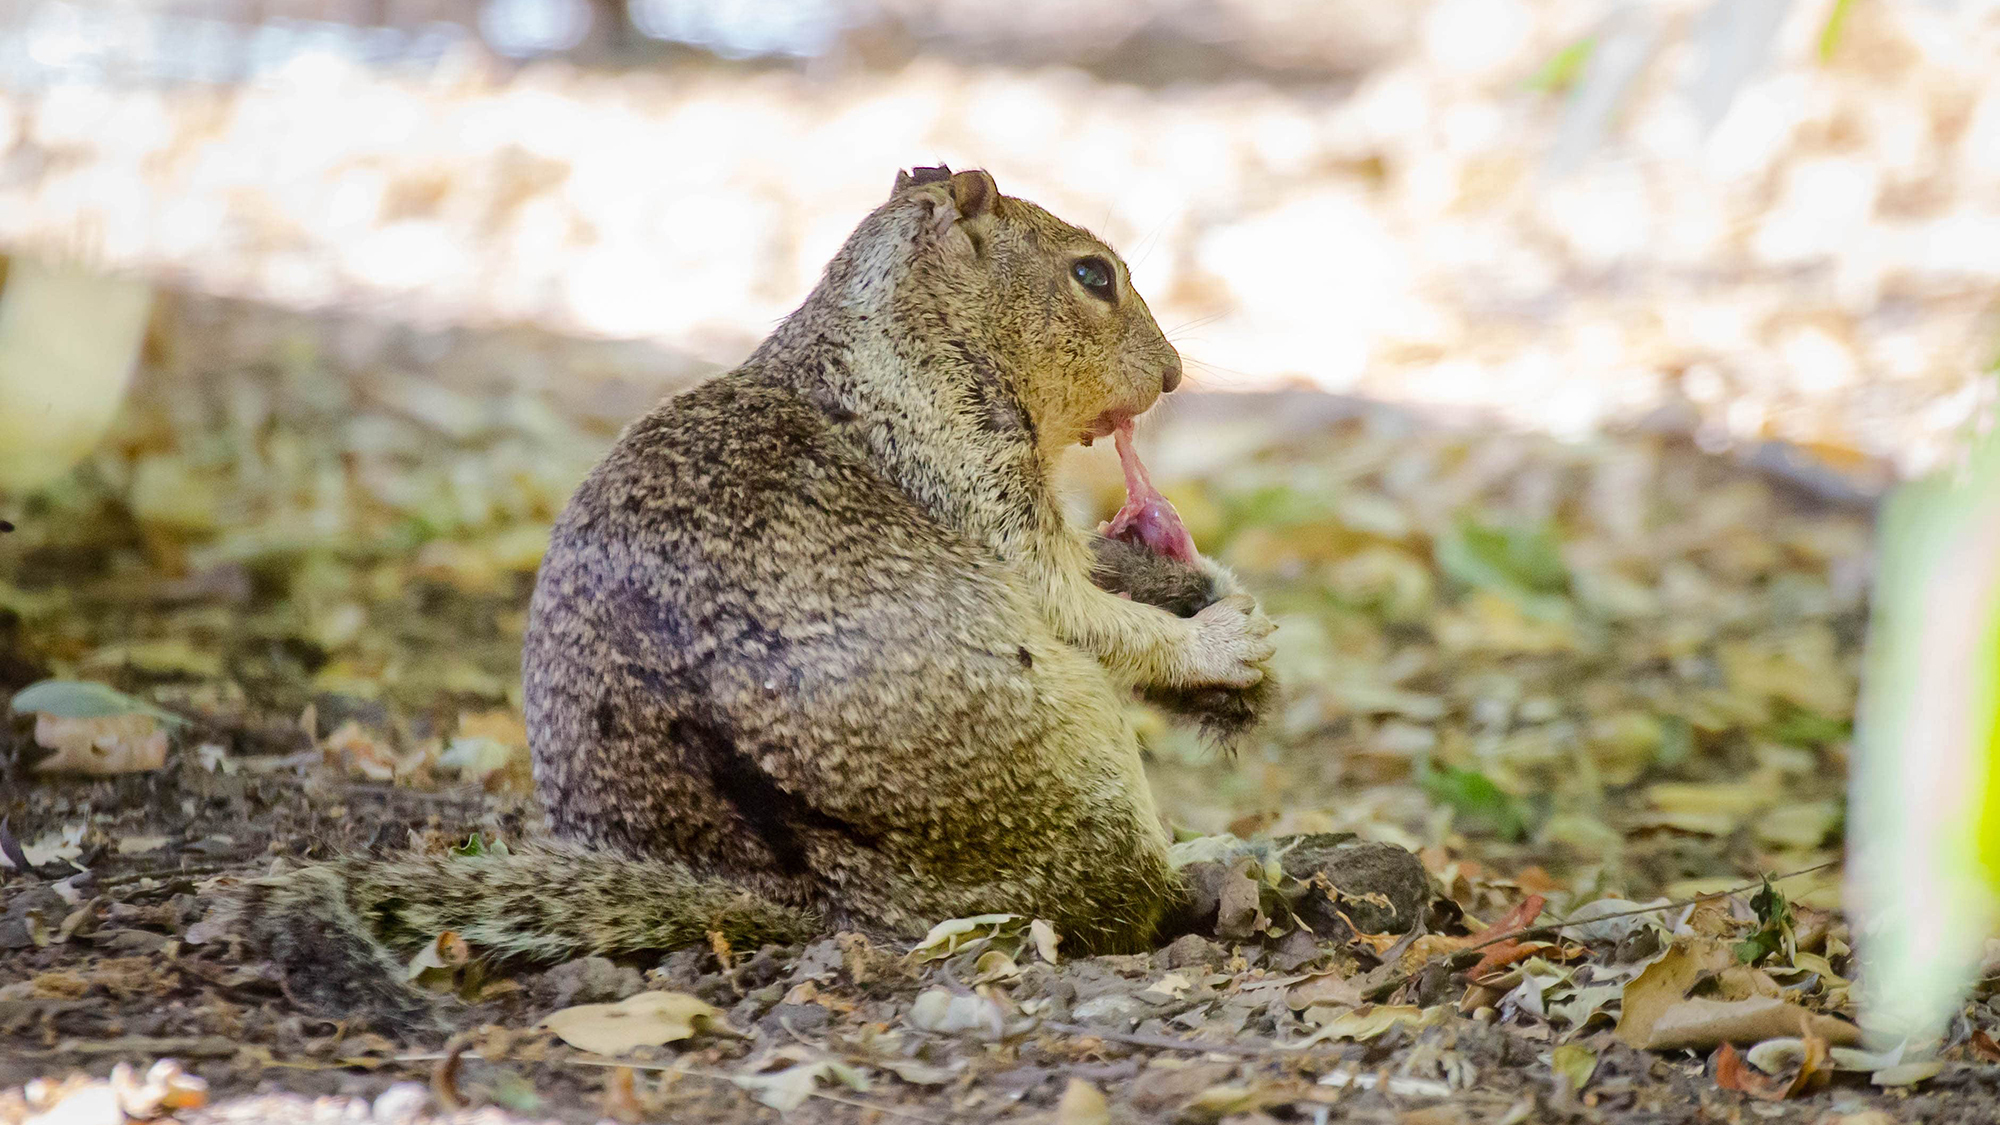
x=751, y=650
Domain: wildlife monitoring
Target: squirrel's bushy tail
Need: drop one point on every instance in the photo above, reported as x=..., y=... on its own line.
x=343, y=932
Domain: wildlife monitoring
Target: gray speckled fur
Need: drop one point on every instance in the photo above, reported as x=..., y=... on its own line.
x=814, y=647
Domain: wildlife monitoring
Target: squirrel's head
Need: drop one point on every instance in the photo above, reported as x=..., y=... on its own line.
x=1047, y=301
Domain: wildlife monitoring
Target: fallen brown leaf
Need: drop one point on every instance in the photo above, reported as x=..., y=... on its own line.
x=621, y=1102
x=1809, y=1072
x=1082, y=1104
x=101, y=747
x=444, y=1080
x=648, y=1019
x=1700, y=1023
x=1666, y=982
x=1511, y=950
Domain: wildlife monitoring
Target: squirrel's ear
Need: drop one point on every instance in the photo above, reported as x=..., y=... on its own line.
x=916, y=176
x=967, y=196
x=973, y=192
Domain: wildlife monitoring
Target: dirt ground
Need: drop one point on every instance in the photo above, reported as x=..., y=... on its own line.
x=1612, y=670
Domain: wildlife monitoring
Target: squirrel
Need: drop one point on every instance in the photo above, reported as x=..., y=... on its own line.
x=814, y=647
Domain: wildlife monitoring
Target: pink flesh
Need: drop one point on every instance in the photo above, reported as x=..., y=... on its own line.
x=1147, y=519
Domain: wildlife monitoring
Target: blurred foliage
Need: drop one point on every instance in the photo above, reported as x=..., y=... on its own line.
x=1623, y=660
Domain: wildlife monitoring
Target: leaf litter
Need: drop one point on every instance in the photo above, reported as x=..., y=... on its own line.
x=1583, y=682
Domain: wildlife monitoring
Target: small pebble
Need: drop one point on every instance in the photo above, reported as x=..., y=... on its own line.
x=402, y=1102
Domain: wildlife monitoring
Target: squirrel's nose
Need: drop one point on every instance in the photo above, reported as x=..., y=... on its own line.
x=1172, y=377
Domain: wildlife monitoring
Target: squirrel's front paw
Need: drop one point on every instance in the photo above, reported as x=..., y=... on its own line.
x=1232, y=643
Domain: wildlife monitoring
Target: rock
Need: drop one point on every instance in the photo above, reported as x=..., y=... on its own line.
x=1293, y=950
x=1222, y=898
x=801, y=1018
x=1189, y=951
x=1159, y=1088
x=403, y=1102
x=767, y=965
x=1121, y=1011
x=821, y=961
x=35, y=909
x=586, y=980
x=1356, y=872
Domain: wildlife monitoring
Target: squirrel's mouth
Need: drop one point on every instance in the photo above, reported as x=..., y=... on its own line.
x=1106, y=424
x=1147, y=519
x=1113, y=420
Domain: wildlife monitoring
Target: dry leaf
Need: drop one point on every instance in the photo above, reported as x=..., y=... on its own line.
x=1666, y=982
x=354, y=749
x=66, y=843
x=1364, y=1024
x=1700, y=1024
x=1574, y=1061
x=1082, y=1104
x=1239, y=915
x=913, y=1071
x=78, y=1100
x=621, y=1098
x=994, y=965
x=1323, y=988
x=1907, y=1074
x=1230, y=1098
x=100, y=747
x=1045, y=938
x=941, y=1011
x=1789, y=1067
x=948, y=936
x=165, y=1088
x=1731, y=1073
x=446, y=952
x=787, y=1089
x=648, y=1019
x=444, y=1080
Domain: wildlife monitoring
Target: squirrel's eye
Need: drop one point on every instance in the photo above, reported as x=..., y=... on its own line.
x=1094, y=274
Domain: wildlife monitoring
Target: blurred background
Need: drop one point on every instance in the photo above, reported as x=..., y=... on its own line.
x=1779, y=219
x=1546, y=357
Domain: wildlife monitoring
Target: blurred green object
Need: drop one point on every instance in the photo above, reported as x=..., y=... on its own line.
x=68, y=343
x=1924, y=843
x=1480, y=802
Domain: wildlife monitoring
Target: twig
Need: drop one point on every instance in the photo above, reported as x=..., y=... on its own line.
x=11, y=848
x=176, y=873
x=1168, y=1042
x=1553, y=928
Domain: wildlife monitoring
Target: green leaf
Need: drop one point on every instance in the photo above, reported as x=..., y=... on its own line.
x=1519, y=560
x=1834, y=28
x=1809, y=729
x=1477, y=799
x=511, y=1091
x=1676, y=741
x=1564, y=67
x=1774, y=934
x=1771, y=907
x=476, y=845
x=82, y=699
x=1576, y=1062
x=1277, y=506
